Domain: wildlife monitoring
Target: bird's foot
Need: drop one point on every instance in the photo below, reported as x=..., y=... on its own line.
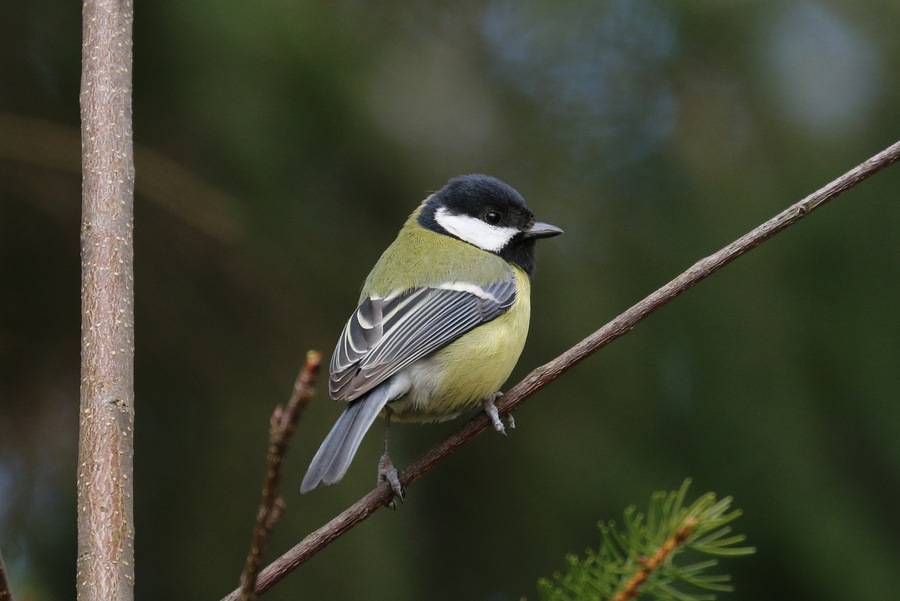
x=388, y=473
x=491, y=410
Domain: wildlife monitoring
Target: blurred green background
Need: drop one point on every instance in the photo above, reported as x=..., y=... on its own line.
x=280, y=145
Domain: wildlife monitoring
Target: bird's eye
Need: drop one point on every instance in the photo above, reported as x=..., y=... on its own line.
x=492, y=217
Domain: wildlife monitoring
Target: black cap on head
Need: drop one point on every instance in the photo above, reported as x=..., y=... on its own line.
x=471, y=193
x=496, y=205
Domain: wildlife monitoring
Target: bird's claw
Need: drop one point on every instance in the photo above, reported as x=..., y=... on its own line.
x=388, y=473
x=491, y=410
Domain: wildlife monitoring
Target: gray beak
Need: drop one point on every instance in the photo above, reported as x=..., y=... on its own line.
x=542, y=230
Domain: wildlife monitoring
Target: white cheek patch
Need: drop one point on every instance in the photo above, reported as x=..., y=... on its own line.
x=475, y=231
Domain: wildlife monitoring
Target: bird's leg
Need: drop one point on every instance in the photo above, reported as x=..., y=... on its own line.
x=491, y=410
x=386, y=469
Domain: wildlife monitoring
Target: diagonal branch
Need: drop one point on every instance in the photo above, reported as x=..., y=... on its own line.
x=540, y=377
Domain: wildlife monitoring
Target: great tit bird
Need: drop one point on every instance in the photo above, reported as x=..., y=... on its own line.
x=441, y=321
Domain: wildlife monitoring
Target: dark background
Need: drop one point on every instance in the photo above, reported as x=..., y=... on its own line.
x=280, y=145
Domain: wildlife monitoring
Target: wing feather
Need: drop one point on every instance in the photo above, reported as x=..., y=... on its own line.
x=384, y=335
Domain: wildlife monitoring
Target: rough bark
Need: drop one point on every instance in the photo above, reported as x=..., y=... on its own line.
x=105, y=515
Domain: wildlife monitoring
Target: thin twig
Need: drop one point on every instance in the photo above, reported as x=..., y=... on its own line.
x=632, y=588
x=540, y=377
x=281, y=427
x=5, y=589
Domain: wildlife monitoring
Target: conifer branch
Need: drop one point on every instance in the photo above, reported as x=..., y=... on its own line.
x=633, y=587
x=281, y=427
x=639, y=557
x=542, y=376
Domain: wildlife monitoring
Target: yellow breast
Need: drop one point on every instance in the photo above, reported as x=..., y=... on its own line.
x=460, y=375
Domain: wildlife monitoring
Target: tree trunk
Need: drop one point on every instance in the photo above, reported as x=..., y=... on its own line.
x=105, y=514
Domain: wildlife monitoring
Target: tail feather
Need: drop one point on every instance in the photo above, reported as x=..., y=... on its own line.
x=338, y=449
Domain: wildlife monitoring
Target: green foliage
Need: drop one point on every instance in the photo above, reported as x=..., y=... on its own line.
x=639, y=557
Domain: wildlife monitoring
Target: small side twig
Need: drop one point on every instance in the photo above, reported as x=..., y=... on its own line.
x=542, y=376
x=5, y=589
x=281, y=427
x=632, y=588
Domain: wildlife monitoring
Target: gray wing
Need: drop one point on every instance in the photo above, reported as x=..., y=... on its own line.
x=384, y=335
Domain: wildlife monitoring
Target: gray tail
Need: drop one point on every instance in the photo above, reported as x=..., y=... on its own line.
x=337, y=450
